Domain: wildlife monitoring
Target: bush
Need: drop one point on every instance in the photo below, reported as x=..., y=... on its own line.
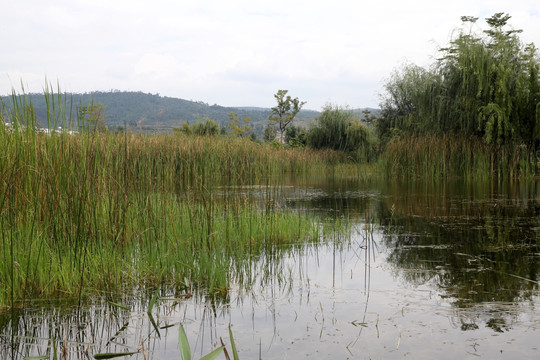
x=330, y=129
x=337, y=129
x=361, y=141
x=208, y=127
x=295, y=136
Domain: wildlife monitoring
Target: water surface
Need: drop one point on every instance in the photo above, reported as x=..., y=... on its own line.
x=426, y=271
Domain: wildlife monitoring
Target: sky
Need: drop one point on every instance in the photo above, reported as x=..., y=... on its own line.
x=234, y=52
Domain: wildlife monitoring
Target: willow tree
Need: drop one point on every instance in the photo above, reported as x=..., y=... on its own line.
x=484, y=84
x=337, y=128
x=408, y=104
x=529, y=109
x=329, y=129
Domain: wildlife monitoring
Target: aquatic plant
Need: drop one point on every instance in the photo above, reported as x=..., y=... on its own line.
x=433, y=157
x=95, y=210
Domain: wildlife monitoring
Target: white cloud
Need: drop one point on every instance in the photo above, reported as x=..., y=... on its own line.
x=155, y=66
x=233, y=52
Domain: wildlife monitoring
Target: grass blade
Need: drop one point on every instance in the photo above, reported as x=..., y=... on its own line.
x=213, y=354
x=153, y=301
x=113, y=355
x=154, y=325
x=55, y=355
x=184, y=344
x=124, y=327
x=118, y=305
x=233, y=345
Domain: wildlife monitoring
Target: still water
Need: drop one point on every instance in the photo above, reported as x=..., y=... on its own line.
x=426, y=271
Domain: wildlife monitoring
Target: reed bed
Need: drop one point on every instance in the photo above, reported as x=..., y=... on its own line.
x=98, y=211
x=432, y=157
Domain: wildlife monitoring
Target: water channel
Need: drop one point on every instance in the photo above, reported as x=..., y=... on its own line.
x=427, y=271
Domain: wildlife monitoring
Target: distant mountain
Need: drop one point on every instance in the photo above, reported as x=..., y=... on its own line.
x=151, y=112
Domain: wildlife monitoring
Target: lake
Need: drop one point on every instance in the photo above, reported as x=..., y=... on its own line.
x=425, y=270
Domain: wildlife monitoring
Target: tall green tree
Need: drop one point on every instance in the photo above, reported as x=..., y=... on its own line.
x=484, y=84
x=330, y=129
x=337, y=128
x=283, y=114
x=529, y=115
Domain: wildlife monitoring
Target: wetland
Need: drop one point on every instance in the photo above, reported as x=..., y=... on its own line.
x=410, y=234
x=411, y=270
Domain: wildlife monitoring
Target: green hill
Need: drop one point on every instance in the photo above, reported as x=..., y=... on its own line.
x=149, y=112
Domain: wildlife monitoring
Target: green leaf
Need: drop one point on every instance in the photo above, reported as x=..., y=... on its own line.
x=55, y=355
x=153, y=322
x=233, y=345
x=153, y=301
x=118, y=305
x=184, y=344
x=213, y=354
x=113, y=355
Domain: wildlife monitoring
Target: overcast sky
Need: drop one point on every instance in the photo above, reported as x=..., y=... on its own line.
x=233, y=52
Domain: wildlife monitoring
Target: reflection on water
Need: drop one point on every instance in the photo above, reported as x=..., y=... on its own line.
x=427, y=271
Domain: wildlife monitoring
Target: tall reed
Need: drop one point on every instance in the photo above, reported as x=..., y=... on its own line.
x=449, y=156
x=97, y=211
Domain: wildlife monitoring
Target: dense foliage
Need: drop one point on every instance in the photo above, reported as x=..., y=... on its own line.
x=484, y=85
x=338, y=129
x=296, y=136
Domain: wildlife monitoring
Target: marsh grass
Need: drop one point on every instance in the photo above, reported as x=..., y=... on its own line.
x=97, y=211
x=436, y=158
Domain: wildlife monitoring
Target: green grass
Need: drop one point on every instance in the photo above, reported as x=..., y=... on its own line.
x=165, y=241
x=436, y=158
x=98, y=211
